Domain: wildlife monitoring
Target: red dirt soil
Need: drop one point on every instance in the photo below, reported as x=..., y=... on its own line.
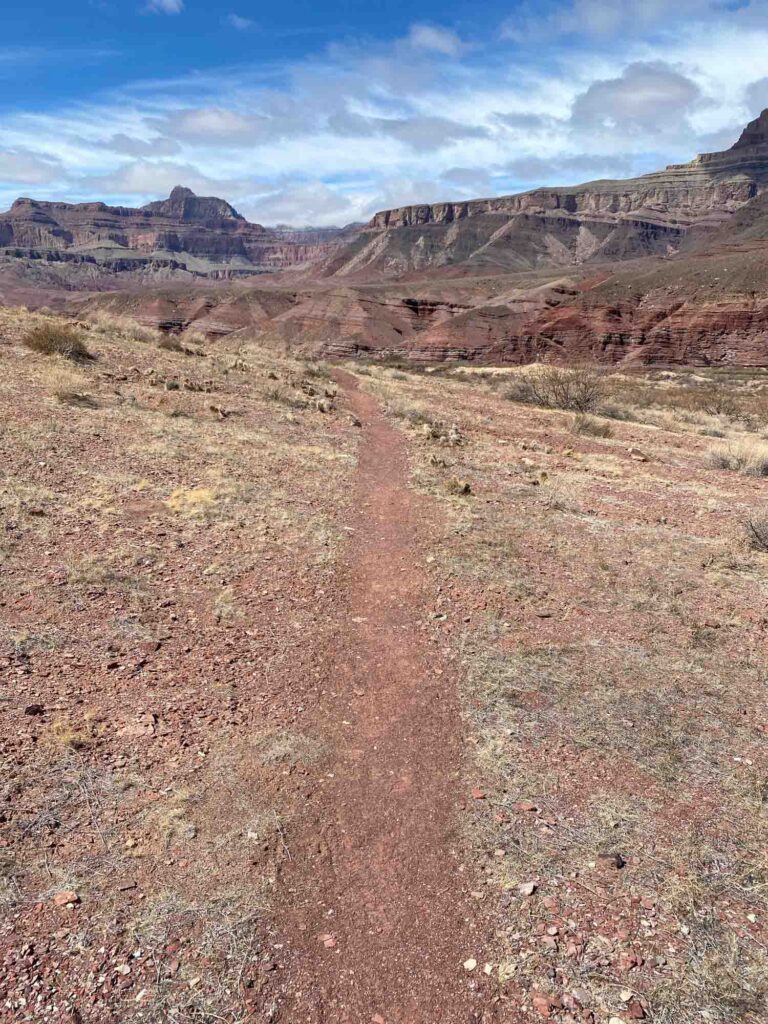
x=382, y=922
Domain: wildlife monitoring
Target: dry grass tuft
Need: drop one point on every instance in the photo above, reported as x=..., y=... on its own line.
x=198, y=339
x=590, y=426
x=192, y=500
x=283, y=396
x=751, y=459
x=76, y=399
x=57, y=339
x=457, y=486
x=170, y=343
x=111, y=324
x=281, y=746
x=757, y=532
x=432, y=428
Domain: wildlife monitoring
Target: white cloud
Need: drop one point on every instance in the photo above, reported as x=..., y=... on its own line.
x=147, y=179
x=238, y=22
x=646, y=97
x=27, y=168
x=431, y=37
x=310, y=203
x=211, y=126
x=369, y=126
x=604, y=18
x=130, y=146
x=165, y=6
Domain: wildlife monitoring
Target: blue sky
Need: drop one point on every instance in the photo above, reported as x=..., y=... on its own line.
x=322, y=112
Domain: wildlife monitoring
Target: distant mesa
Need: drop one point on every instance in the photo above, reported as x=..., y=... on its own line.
x=553, y=228
x=564, y=226
x=201, y=235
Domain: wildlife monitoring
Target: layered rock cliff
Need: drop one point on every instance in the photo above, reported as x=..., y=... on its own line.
x=564, y=226
x=705, y=305
x=204, y=234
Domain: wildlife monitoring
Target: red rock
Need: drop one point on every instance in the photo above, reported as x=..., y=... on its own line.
x=542, y=1004
x=61, y=899
x=183, y=223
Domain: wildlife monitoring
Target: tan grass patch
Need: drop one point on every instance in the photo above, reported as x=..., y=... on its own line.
x=751, y=459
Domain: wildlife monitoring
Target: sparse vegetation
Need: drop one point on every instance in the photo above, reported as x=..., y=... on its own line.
x=749, y=459
x=284, y=396
x=76, y=399
x=456, y=486
x=139, y=772
x=108, y=324
x=172, y=595
x=601, y=697
x=431, y=428
x=171, y=343
x=578, y=389
x=757, y=531
x=53, y=338
x=591, y=426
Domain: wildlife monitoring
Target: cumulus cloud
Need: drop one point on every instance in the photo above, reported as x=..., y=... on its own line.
x=431, y=37
x=649, y=97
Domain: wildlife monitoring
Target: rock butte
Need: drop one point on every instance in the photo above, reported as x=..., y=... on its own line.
x=200, y=235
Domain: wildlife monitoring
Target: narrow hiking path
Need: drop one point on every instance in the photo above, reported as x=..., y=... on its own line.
x=380, y=921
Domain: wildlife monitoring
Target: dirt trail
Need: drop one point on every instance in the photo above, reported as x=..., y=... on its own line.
x=381, y=921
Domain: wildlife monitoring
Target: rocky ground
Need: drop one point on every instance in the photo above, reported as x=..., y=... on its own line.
x=609, y=606
x=170, y=527
x=377, y=695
